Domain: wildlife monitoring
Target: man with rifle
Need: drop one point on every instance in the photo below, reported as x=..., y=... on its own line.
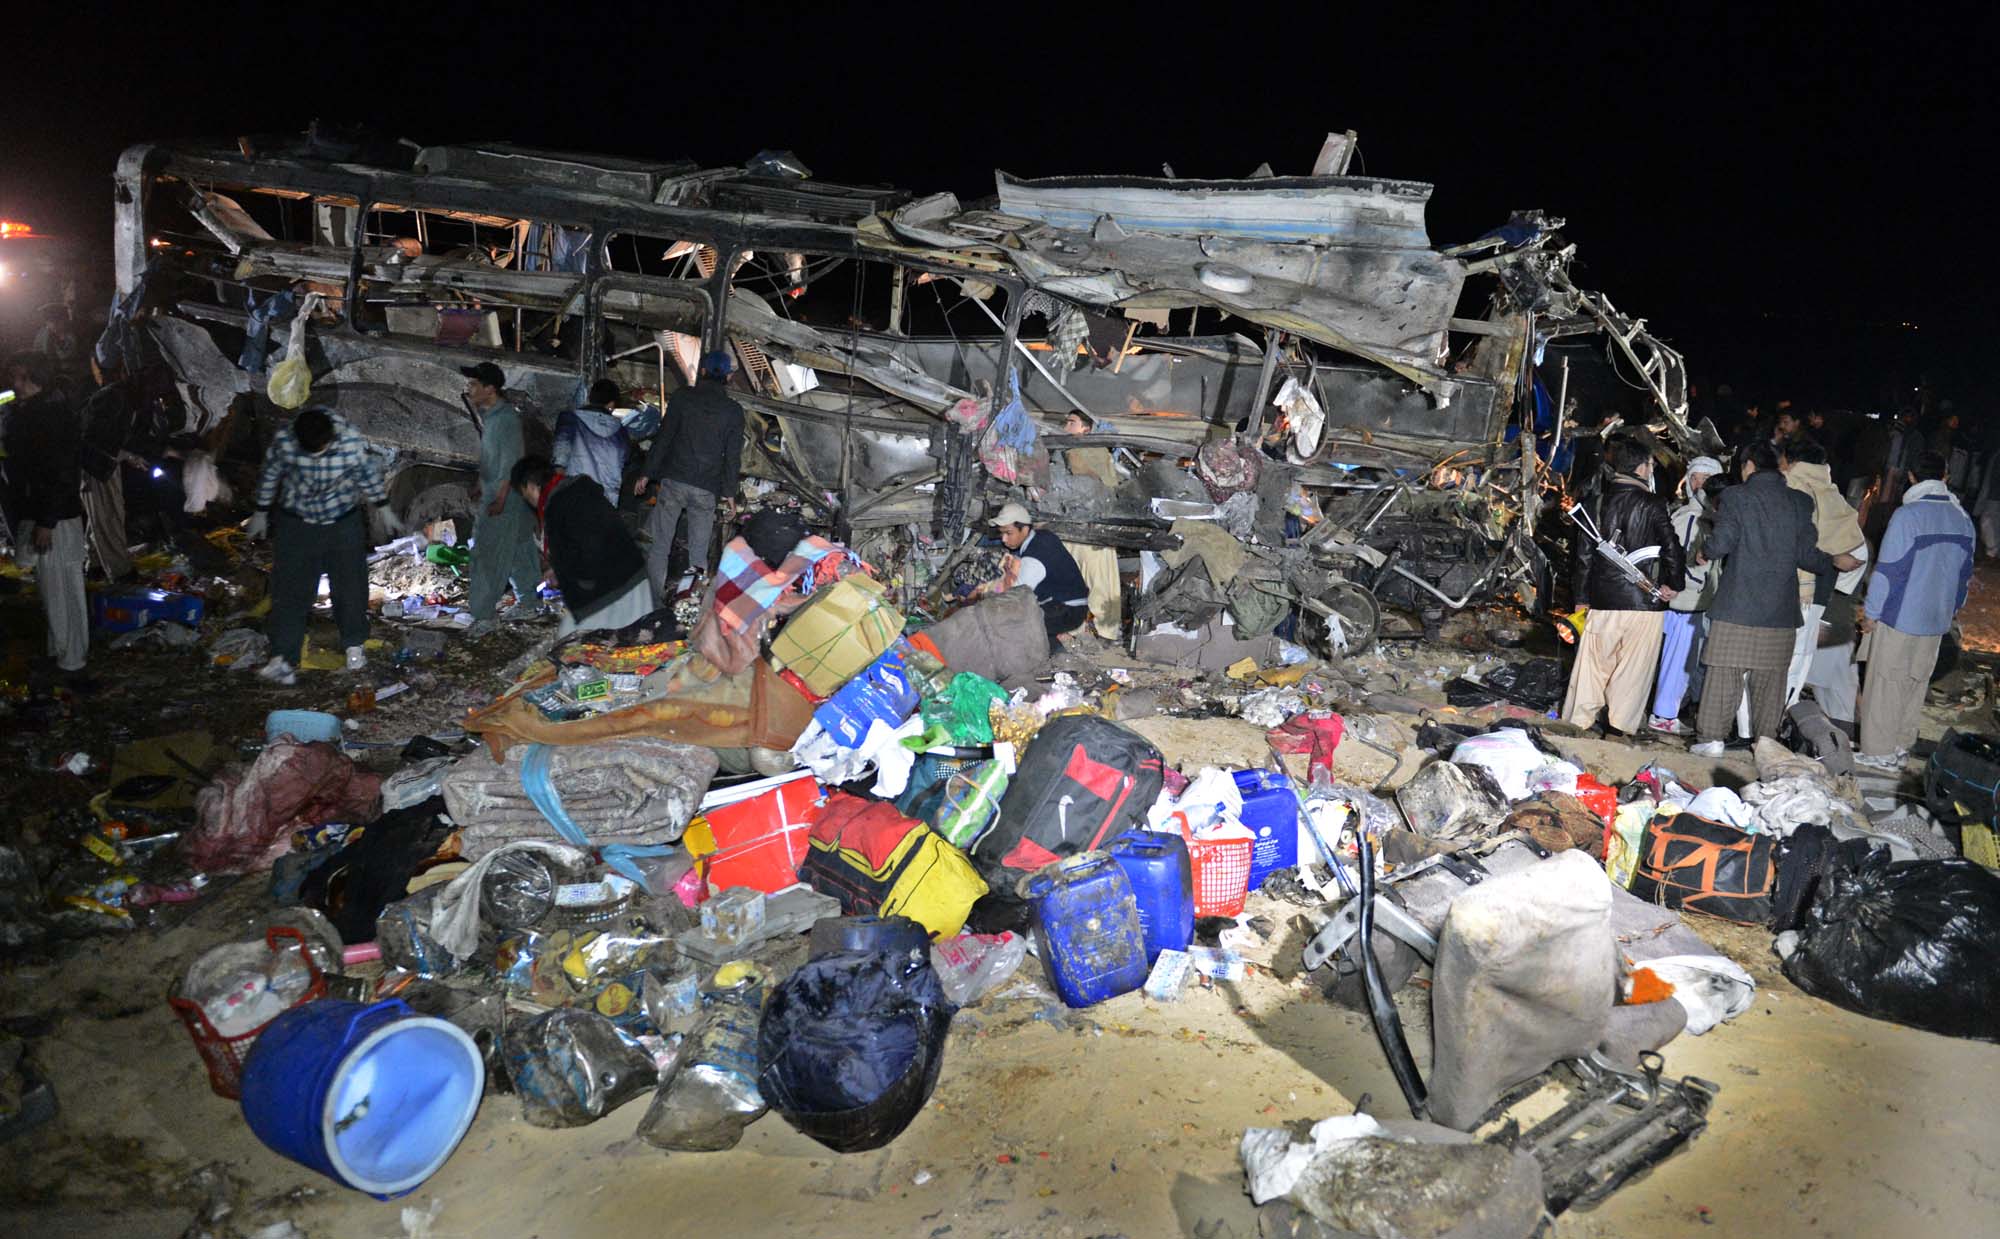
x=1620, y=645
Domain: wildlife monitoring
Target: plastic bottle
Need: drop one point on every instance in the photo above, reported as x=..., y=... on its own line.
x=710, y=1096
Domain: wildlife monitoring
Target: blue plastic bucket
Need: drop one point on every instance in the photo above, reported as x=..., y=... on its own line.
x=374, y=1097
x=303, y=725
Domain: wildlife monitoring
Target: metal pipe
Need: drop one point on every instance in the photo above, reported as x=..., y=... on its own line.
x=1440, y=595
x=1273, y=345
x=1030, y=355
x=1381, y=1010
x=353, y=293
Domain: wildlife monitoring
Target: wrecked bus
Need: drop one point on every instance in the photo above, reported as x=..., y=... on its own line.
x=1296, y=340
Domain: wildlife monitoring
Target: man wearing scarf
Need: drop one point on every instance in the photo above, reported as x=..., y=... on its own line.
x=1919, y=583
x=596, y=563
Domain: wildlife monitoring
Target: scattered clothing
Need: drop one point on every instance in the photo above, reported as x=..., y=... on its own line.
x=746, y=594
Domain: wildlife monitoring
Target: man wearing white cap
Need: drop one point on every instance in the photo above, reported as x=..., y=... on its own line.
x=1680, y=647
x=1044, y=564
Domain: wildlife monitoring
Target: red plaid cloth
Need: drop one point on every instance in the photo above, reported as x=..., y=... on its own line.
x=746, y=587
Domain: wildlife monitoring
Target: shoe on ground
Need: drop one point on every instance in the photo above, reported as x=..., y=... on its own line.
x=357, y=658
x=79, y=682
x=1708, y=748
x=480, y=629
x=278, y=671
x=1670, y=726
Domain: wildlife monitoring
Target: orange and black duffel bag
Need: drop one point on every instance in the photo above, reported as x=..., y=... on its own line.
x=1697, y=865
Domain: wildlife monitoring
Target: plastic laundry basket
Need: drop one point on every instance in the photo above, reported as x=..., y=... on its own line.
x=1220, y=868
x=224, y=1055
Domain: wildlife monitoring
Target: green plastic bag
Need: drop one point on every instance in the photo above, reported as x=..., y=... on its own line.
x=962, y=709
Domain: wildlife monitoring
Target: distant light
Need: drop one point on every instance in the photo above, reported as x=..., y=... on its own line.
x=159, y=472
x=12, y=228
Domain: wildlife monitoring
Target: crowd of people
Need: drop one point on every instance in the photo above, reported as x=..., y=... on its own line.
x=1761, y=584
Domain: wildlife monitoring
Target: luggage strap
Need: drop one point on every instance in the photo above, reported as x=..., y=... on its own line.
x=622, y=858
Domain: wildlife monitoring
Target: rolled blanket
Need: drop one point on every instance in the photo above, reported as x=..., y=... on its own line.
x=635, y=790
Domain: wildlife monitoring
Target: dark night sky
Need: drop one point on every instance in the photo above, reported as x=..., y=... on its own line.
x=1773, y=190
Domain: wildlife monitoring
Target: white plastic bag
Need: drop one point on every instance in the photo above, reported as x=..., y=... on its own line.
x=971, y=966
x=290, y=385
x=1511, y=757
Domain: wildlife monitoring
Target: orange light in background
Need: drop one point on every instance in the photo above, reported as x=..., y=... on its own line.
x=12, y=228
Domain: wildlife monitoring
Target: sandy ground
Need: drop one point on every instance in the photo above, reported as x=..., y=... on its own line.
x=1120, y=1120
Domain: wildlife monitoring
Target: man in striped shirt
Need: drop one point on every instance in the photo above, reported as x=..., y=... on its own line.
x=318, y=477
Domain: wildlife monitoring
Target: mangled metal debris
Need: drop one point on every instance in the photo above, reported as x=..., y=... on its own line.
x=1289, y=355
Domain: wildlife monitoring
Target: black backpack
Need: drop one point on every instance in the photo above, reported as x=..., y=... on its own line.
x=1083, y=781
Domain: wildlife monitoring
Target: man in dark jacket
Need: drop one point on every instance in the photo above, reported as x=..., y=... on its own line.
x=107, y=422
x=597, y=565
x=693, y=462
x=1044, y=564
x=1621, y=638
x=44, y=452
x=1764, y=536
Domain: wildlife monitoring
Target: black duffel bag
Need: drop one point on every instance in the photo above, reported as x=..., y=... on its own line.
x=1697, y=865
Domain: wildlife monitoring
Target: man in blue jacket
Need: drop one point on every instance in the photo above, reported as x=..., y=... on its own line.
x=1918, y=585
x=591, y=442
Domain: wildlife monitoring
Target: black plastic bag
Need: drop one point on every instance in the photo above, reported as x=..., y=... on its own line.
x=1910, y=941
x=850, y=1046
x=1537, y=684
x=353, y=885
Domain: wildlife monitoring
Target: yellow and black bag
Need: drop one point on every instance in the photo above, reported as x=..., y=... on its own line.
x=879, y=863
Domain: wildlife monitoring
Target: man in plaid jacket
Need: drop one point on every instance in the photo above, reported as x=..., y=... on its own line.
x=318, y=478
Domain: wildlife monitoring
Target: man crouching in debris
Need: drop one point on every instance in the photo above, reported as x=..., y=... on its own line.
x=1765, y=533
x=317, y=475
x=1621, y=639
x=597, y=564
x=1044, y=564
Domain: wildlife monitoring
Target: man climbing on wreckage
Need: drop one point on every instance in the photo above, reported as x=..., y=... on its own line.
x=1041, y=562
